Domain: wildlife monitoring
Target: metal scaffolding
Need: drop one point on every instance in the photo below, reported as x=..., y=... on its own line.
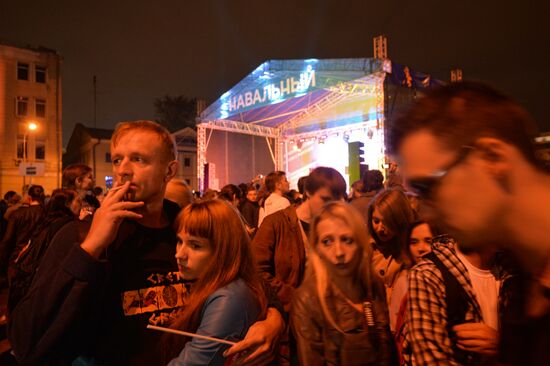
x=285, y=101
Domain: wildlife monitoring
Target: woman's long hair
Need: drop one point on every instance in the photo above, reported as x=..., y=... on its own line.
x=58, y=207
x=232, y=259
x=397, y=215
x=349, y=215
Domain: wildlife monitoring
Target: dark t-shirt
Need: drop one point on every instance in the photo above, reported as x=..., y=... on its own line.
x=145, y=288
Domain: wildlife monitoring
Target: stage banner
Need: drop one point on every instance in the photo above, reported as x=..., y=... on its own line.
x=279, y=80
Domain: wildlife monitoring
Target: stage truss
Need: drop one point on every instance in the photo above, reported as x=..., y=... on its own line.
x=282, y=136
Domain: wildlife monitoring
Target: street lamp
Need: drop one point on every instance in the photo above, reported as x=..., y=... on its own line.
x=31, y=126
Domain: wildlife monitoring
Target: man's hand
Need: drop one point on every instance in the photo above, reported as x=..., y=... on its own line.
x=107, y=219
x=260, y=345
x=477, y=337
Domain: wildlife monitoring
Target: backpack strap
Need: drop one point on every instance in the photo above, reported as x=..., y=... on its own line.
x=457, y=300
x=456, y=297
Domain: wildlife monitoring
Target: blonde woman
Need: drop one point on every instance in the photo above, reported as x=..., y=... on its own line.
x=339, y=314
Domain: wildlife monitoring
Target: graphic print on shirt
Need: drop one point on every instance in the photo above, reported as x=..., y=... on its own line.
x=166, y=295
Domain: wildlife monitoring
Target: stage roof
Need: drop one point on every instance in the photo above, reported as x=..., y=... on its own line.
x=279, y=91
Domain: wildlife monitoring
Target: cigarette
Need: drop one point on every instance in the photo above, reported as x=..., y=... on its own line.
x=194, y=335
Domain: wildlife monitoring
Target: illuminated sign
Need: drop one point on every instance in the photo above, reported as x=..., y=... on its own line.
x=273, y=92
x=275, y=81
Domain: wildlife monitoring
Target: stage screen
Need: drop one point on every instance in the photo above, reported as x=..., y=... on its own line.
x=236, y=158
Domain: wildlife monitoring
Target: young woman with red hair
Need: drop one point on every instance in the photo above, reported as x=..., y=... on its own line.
x=226, y=297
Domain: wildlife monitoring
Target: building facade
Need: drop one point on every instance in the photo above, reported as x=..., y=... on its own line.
x=186, y=145
x=91, y=146
x=30, y=118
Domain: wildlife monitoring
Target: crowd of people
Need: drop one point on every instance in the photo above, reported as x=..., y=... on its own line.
x=446, y=262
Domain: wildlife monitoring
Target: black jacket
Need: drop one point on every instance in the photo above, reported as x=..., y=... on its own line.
x=97, y=310
x=21, y=225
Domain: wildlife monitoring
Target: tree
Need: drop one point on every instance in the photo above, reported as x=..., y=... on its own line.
x=177, y=112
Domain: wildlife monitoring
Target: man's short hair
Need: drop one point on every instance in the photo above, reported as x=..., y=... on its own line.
x=72, y=173
x=36, y=193
x=460, y=113
x=373, y=180
x=166, y=139
x=272, y=179
x=230, y=192
x=9, y=195
x=325, y=177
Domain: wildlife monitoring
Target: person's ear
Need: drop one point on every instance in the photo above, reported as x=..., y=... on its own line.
x=496, y=156
x=171, y=170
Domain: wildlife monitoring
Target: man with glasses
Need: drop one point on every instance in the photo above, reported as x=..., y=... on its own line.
x=468, y=152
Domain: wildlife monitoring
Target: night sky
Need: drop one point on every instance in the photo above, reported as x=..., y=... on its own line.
x=140, y=50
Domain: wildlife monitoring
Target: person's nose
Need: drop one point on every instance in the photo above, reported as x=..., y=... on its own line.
x=424, y=248
x=124, y=168
x=339, y=252
x=181, y=253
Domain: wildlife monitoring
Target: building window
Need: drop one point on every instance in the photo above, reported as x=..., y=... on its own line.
x=40, y=74
x=40, y=108
x=22, y=71
x=21, y=148
x=186, y=162
x=108, y=157
x=22, y=106
x=40, y=150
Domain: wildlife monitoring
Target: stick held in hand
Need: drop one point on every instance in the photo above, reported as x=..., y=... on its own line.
x=194, y=335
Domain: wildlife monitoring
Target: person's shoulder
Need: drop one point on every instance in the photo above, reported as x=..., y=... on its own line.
x=73, y=231
x=237, y=288
x=235, y=297
x=276, y=200
x=427, y=272
x=19, y=210
x=306, y=296
x=286, y=214
x=283, y=202
x=307, y=288
x=424, y=264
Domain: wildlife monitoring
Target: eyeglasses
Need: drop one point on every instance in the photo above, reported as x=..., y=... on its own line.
x=425, y=187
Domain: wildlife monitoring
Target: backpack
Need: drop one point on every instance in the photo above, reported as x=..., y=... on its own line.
x=27, y=262
x=457, y=301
